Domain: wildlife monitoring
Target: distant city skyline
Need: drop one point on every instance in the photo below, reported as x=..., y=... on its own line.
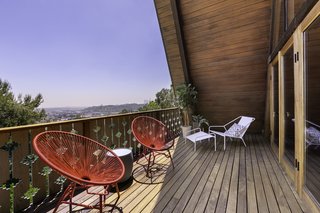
x=80, y=53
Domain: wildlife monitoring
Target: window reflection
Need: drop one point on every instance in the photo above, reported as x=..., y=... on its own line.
x=312, y=139
x=289, y=105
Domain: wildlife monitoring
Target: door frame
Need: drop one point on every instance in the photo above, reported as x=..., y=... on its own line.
x=286, y=165
x=301, y=107
x=271, y=92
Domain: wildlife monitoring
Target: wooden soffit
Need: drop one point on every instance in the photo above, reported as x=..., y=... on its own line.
x=172, y=40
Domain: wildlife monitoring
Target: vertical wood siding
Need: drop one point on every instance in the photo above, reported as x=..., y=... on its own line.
x=226, y=44
x=227, y=48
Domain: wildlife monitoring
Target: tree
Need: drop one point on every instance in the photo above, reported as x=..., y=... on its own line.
x=165, y=98
x=152, y=105
x=20, y=110
x=187, y=99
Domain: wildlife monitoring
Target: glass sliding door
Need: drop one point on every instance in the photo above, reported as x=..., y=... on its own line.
x=288, y=81
x=312, y=100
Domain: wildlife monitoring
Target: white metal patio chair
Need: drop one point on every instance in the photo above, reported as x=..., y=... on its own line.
x=233, y=129
x=312, y=134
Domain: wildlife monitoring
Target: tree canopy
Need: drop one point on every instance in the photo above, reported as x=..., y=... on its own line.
x=164, y=99
x=152, y=105
x=21, y=110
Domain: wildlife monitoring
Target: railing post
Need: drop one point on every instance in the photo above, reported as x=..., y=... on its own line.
x=86, y=129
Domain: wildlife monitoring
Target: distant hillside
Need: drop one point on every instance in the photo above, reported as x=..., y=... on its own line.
x=112, y=108
x=63, y=109
x=70, y=113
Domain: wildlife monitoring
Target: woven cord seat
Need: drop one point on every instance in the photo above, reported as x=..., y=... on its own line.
x=155, y=138
x=83, y=161
x=236, y=128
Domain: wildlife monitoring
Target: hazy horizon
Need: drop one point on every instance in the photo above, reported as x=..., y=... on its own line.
x=87, y=106
x=82, y=53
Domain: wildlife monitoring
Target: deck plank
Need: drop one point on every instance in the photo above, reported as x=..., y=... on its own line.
x=200, y=190
x=261, y=196
x=251, y=188
x=215, y=192
x=151, y=193
x=190, y=189
x=188, y=184
x=181, y=182
x=233, y=190
x=178, y=153
x=137, y=197
x=242, y=190
x=157, y=201
x=270, y=196
x=205, y=195
x=282, y=202
x=224, y=191
x=292, y=200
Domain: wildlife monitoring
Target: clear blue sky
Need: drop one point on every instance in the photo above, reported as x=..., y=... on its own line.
x=82, y=52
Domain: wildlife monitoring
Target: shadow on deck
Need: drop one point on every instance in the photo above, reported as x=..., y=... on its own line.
x=240, y=179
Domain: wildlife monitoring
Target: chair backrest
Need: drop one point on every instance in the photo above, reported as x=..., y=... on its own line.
x=240, y=128
x=152, y=133
x=246, y=121
x=78, y=158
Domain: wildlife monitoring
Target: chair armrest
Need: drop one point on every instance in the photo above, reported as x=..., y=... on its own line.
x=230, y=122
x=193, y=130
x=212, y=133
x=217, y=126
x=313, y=124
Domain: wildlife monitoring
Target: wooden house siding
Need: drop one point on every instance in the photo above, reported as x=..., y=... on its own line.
x=226, y=44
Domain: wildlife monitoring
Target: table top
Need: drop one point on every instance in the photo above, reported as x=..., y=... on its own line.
x=199, y=136
x=122, y=151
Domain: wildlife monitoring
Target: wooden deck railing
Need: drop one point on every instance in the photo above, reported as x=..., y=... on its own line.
x=25, y=180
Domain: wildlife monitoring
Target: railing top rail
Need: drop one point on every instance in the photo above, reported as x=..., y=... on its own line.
x=31, y=126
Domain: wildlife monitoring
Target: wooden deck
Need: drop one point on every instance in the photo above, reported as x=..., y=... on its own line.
x=240, y=179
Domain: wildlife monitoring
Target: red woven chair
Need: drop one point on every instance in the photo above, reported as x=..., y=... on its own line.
x=154, y=136
x=83, y=161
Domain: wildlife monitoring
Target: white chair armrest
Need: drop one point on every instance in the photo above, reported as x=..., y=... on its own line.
x=232, y=121
x=313, y=124
x=217, y=126
x=193, y=130
x=212, y=133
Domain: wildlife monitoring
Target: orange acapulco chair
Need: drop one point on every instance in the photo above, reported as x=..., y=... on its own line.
x=155, y=137
x=83, y=161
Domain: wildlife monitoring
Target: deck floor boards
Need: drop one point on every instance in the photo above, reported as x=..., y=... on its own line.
x=239, y=179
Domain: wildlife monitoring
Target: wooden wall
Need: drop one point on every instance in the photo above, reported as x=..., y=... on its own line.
x=227, y=47
x=288, y=80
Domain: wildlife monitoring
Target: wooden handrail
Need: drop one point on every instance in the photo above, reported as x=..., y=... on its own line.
x=31, y=126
